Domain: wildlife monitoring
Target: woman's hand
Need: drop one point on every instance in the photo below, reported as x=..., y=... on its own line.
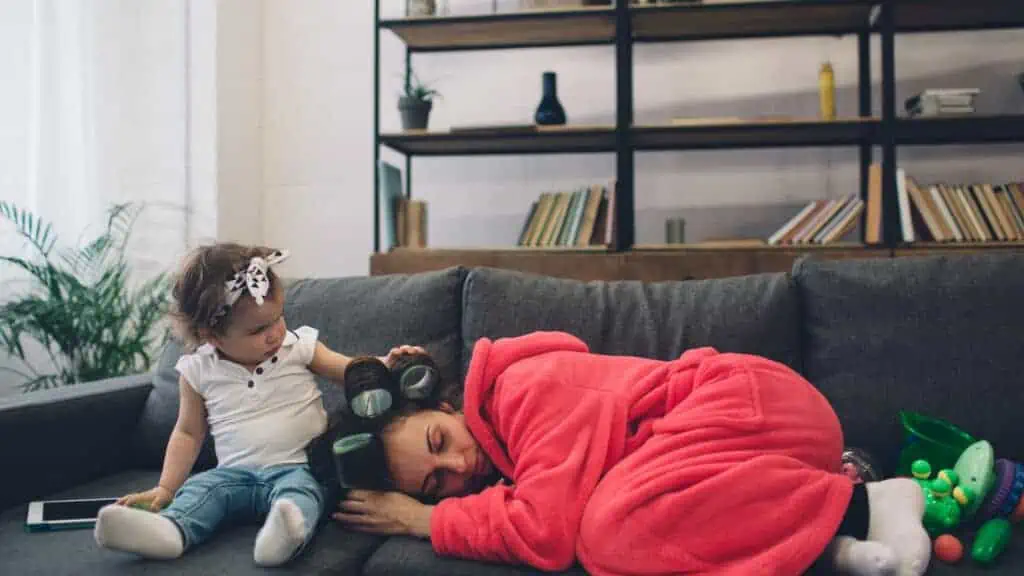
x=389, y=513
x=400, y=351
x=153, y=499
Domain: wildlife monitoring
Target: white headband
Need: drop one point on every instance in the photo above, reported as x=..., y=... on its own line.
x=253, y=278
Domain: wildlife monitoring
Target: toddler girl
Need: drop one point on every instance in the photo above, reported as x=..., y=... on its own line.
x=251, y=384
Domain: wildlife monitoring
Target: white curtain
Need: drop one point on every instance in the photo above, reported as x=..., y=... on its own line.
x=94, y=111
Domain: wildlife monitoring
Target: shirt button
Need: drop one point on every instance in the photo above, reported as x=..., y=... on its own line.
x=273, y=360
x=251, y=383
x=259, y=370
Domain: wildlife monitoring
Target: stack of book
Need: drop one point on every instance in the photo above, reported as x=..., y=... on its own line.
x=405, y=220
x=580, y=218
x=820, y=222
x=942, y=102
x=949, y=212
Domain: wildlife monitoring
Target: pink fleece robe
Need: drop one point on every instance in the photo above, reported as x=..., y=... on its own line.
x=712, y=463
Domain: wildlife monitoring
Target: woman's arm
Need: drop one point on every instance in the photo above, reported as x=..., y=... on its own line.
x=386, y=513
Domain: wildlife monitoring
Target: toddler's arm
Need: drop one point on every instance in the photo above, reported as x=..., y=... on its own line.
x=182, y=450
x=331, y=364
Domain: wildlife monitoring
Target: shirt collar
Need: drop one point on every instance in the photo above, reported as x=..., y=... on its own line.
x=210, y=350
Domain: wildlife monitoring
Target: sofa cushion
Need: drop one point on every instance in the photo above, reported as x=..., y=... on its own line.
x=74, y=552
x=752, y=314
x=409, y=557
x=939, y=335
x=357, y=315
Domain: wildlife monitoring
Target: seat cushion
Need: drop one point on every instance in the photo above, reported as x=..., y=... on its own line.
x=938, y=335
x=408, y=557
x=753, y=314
x=74, y=552
x=357, y=315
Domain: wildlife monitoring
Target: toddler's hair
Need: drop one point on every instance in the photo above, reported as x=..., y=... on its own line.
x=199, y=293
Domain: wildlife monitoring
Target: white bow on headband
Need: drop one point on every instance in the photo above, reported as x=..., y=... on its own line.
x=253, y=278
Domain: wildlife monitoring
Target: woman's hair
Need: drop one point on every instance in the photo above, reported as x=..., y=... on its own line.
x=199, y=295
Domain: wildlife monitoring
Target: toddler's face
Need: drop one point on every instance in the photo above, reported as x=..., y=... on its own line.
x=254, y=333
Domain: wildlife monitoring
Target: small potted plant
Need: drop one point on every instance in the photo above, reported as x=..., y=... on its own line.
x=415, y=103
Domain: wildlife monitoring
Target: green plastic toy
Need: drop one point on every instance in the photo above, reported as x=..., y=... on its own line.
x=944, y=499
x=936, y=441
x=954, y=496
x=991, y=540
x=976, y=468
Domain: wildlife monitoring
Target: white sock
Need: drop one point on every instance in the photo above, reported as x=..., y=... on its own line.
x=863, y=558
x=147, y=534
x=896, y=512
x=282, y=534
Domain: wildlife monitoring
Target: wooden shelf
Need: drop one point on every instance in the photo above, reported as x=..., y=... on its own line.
x=564, y=140
x=531, y=29
x=971, y=129
x=733, y=246
x=754, y=134
x=650, y=265
x=950, y=15
x=682, y=22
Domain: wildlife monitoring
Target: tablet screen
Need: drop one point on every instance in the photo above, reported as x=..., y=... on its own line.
x=74, y=509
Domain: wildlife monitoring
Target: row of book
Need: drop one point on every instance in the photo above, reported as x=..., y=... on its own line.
x=944, y=212
x=820, y=222
x=582, y=217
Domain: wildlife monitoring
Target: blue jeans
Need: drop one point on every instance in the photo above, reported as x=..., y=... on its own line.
x=212, y=498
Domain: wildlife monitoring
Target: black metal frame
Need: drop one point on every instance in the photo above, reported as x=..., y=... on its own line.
x=888, y=133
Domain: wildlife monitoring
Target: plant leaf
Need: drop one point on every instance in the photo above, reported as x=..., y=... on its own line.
x=38, y=232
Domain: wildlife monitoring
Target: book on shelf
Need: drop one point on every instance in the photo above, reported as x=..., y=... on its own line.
x=820, y=222
x=405, y=220
x=941, y=102
x=570, y=219
x=390, y=185
x=960, y=212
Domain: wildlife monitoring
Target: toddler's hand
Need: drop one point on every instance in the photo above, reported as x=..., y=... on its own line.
x=400, y=351
x=153, y=499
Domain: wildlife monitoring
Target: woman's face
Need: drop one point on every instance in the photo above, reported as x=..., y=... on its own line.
x=431, y=453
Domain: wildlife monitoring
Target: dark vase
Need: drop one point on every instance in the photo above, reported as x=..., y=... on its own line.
x=550, y=111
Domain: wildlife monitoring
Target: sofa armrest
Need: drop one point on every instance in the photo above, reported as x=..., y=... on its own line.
x=56, y=439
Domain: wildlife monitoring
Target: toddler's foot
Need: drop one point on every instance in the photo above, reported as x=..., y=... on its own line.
x=282, y=534
x=863, y=558
x=897, y=508
x=137, y=531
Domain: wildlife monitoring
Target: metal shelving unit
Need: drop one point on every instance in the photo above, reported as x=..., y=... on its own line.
x=621, y=25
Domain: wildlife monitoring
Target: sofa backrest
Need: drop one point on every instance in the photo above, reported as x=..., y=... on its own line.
x=937, y=335
x=355, y=316
x=753, y=314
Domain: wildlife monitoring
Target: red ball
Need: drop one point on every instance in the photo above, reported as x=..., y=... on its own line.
x=949, y=549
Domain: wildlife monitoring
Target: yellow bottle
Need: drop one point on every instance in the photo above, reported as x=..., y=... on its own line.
x=827, y=91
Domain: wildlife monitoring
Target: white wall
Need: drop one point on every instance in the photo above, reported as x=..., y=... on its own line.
x=318, y=130
x=240, y=111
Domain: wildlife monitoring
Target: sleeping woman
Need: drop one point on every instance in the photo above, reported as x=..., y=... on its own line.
x=711, y=464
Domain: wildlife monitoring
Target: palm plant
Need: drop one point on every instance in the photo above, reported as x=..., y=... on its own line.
x=80, y=305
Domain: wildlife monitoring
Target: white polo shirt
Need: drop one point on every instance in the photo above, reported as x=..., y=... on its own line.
x=265, y=417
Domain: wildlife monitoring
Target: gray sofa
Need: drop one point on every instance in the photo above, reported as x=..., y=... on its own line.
x=939, y=335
